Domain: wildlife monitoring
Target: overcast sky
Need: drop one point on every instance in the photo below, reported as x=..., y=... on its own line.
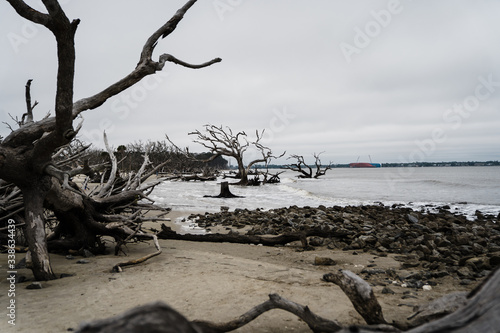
x=399, y=81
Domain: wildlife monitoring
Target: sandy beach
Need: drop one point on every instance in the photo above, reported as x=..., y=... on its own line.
x=206, y=281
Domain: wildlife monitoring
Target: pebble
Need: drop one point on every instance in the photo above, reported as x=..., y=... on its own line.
x=387, y=290
x=323, y=261
x=82, y=261
x=34, y=285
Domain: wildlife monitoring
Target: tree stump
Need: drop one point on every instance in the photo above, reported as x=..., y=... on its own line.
x=224, y=192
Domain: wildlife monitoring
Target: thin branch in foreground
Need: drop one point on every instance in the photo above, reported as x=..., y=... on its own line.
x=118, y=267
x=315, y=322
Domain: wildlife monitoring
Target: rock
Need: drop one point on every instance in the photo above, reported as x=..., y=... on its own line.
x=368, y=239
x=410, y=263
x=382, y=249
x=34, y=285
x=316, y=241
x=64, y=275
x=87, y=253
x=70, y=257
x=477, y=264
x=82, y=261
x=464, y=272
x=439, y=274
x=373, y=271
x=466, y=282
x=494, y=261
x=324, y=261
x=387, y=290
x=411, y=218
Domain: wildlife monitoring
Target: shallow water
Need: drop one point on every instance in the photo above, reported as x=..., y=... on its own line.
x=464, y=189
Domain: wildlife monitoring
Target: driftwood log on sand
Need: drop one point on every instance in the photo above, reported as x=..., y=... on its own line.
x=480, y=313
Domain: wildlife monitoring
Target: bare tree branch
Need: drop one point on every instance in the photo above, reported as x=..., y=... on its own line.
x=146, y=65
x=114, y=165
x=29, y=106
x=315, y=322
x=29, y=13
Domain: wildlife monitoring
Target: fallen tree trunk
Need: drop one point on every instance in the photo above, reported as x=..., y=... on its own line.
x=167, y=233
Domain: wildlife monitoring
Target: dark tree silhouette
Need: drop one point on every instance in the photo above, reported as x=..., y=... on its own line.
x=305, y=170
x=223, y=141
x=26, y=154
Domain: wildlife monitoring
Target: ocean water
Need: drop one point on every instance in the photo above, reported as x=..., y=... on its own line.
x=464, y=189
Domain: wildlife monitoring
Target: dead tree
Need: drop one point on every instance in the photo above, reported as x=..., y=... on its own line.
x=26, y=153
x=222, y=141
x=305, y=170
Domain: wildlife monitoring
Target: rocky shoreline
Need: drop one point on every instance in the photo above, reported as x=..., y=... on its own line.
x=429, y=245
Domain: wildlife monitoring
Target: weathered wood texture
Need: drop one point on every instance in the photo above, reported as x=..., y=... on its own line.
x=168, y=233
x=360, y=293
x=151, y=318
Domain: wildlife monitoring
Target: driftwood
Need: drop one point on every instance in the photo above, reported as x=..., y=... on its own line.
x=118, y=267
x=167, y=233
x=197, y=177
x=360, y=293
x=283, y=239
x=154, y=317
x=315, y=322
x=159, y=317
x=479, y=314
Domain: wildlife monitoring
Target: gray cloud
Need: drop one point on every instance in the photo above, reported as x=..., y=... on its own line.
x=281, y=56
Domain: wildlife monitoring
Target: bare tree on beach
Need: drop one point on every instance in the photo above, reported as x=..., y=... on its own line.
x=304, y=170
x=26, y=154
x=223, y=141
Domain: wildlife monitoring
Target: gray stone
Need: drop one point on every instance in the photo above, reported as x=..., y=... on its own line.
x=82, y=261
x=324, y=261
x=34, y=285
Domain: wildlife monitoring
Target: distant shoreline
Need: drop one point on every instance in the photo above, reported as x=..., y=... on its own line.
x=403, y=165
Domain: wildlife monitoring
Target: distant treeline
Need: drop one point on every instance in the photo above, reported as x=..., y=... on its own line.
x=399, y=165
x=130, y=158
